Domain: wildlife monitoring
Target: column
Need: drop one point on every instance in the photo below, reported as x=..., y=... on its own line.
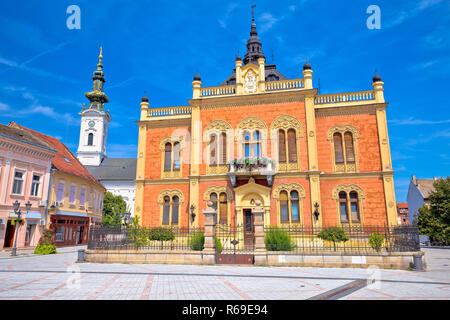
x=209, y=249
x=260, y=246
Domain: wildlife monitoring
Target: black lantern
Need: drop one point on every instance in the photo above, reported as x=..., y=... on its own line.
x=192, y=212
x=16, y=208
x=316, y=212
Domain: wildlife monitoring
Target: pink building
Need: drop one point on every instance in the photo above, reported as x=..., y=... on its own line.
x=25, y=164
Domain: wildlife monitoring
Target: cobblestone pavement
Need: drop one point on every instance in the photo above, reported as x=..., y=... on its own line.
x=56, y=277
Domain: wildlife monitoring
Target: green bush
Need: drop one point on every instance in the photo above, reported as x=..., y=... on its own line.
x=197, y=241
x=376, y=241
x=161, y=234
x=333, y=234
x=218, y=245
x=46, y=244
x=278, y=240
x=138, y=236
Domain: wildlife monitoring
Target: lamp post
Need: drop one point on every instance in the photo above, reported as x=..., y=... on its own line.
x=316, y=212
x=16, y=207
x=192, y=212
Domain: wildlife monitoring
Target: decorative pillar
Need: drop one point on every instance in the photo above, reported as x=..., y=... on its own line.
x=140, y=170
x=196, y=85
x=209, y=249
x=386, y=161
x=260, y=246
x=144, y=108
x=239, y=84
x=307, y=76
x=262, y=75
x=196, y=158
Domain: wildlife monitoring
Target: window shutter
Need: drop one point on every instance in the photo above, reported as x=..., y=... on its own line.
x=284, y=207
x=292, y=146
x=354, y=206
x=343, y=206
x=167, y=157
x=281, y=146
x=175, y=207
x=176, y=156
x=224, y=148
x=223, y=208
x=166, y=210
x=349, y=150
x=212, y=151
x=338, y=152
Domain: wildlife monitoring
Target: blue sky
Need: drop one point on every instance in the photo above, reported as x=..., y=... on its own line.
x=157, y=46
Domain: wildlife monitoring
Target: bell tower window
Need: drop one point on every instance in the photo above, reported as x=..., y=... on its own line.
x=90, y=139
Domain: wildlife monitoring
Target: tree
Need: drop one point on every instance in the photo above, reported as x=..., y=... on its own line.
x=333, y=234
x=434, y=218
x=113, y=207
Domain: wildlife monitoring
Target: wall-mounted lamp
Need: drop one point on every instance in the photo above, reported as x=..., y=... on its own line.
x=192, y=207
x=316, y=212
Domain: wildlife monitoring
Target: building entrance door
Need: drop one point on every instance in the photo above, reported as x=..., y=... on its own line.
x=249, y=230
x=9, y=236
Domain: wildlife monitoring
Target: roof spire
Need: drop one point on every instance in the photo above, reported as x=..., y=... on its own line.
x=97, y=97
x=254, y=46
x=253, y=13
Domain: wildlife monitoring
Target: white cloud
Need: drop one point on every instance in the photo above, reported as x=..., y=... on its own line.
x=427, y=3
x=292, y=8
x=7, y=62
x=267, y=20
x=122, y=150
x=412, y=121
x=3, y=107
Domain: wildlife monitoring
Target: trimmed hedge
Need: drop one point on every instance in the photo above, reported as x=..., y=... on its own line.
x=278, y=240
x=46, y=244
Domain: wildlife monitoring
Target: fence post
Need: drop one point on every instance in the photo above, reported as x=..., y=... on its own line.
x=209, y=249
x=260, y=246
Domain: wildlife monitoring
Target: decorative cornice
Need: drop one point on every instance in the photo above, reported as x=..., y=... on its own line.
x=287, y=122
x=348, y=188
x=251, y=123
x=252, y=99
x=288, y=188
x=172, y=140
x=170, y=193
x=349, y=110
x=216, y=126
x=218, y=190
x=343, y=130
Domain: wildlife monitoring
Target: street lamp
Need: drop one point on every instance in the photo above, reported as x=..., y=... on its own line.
x=316, y=212
x=192, y=212
x=16, y=207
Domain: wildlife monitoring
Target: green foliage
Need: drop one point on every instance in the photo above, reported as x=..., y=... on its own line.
x=376, y=241
x=138, y=236
x=219, y=246
x=278, y=240
x=46, y=244
x=197, y=241
x=161, y=234
x=113, y=206
x=333, y=234
x=21, y=222
x=434, y=218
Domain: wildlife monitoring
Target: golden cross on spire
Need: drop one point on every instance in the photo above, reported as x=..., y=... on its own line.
x=100, y=57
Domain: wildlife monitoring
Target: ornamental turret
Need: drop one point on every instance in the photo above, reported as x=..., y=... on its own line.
x=97, y=97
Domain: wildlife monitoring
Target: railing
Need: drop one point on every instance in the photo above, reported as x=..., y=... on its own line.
x=217, y=91
x=140, y=238
x=284, y=85
x=305, y=240
x=345, y=97
x=169, y=111
x=249, y=164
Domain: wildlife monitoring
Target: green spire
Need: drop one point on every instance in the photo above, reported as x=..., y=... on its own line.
x=97, y=97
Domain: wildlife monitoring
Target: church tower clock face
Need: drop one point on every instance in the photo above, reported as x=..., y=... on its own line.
x=91, y=123
x=250, y=82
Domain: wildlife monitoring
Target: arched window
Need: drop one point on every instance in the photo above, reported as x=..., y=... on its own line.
x=90, y=139
x=223, y=208
x=212, y=150
x=343, y=206
x=176, y=156
x=175, y=209
x=213, y=199
x=168, y=157
x=166, y=210
x=284, y=210
x=354, y=207
x=349, y=150
x=252, y=144
x=295, y=210
x=281, y=146
x=223, y=150
x=338, y=150
x=292, y=145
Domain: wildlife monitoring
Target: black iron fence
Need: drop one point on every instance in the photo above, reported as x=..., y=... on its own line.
x=157, y=238
x=346, y=239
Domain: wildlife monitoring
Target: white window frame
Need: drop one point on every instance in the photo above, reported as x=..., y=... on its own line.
x=23, y=179
x=39, y=183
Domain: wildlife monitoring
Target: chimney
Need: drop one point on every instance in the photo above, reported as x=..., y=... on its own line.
x=414, y=179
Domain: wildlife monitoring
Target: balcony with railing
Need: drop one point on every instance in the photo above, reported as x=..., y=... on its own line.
x=169, y=112
x=349, y=98
x=251, y=167
x=283, y=85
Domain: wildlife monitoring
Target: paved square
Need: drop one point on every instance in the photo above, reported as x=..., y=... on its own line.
x=58, y=276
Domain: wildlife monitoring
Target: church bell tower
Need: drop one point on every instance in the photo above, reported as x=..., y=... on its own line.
x=94, y=121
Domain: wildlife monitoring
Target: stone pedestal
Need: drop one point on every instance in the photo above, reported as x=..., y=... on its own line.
x=209, y=249
x=260, y=246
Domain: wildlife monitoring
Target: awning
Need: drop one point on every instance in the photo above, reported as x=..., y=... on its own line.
x=33, y=215
x=71, y=213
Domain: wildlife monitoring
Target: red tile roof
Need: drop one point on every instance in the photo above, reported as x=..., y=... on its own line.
x=73, y=167
x=403, y=205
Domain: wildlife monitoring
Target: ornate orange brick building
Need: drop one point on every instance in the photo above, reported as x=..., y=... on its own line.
x=310, y=159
